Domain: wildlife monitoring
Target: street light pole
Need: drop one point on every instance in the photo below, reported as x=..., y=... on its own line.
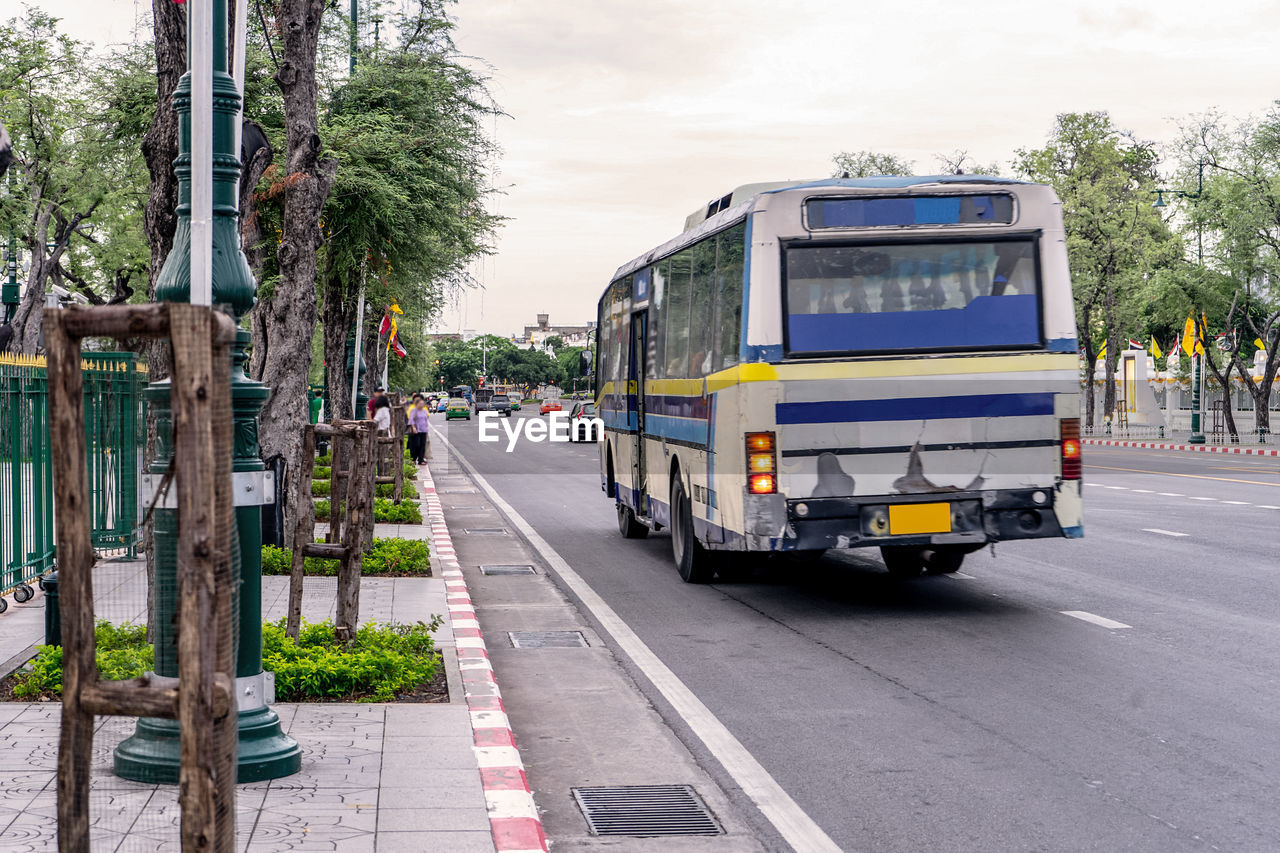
x=264, y=752
x=1197, y=413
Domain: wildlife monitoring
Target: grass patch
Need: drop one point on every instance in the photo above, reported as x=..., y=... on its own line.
x=386, y=490
x=321, y=472
x=122, y=652
x=326, y=459
x=380, y=662
x=319, y=487
x=389, y=512
x=388, y=557
x=410, y=470
x=323, y=509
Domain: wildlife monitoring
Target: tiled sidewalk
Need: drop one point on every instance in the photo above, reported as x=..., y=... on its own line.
x=386, y=778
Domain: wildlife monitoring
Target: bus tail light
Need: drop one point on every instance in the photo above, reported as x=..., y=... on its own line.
x=1071, y=465
x=762, y=463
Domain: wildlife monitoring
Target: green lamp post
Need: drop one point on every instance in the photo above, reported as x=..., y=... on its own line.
x=265, y=752
x=1197, y=414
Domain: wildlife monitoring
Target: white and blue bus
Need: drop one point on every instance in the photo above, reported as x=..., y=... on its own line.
x=846, y=363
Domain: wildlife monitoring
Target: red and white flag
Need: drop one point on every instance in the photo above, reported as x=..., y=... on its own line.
x=385, y=325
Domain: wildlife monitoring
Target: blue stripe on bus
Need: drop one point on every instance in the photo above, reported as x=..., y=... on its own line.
x=1064, y=345
x=988, y=321
x=679, y=429
x=915, y=408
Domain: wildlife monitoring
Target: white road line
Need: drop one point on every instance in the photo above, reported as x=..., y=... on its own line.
x=1236, y=503
x=960, y=576
x=1094, y=618
x=1144, y=491
x=1099, y=485
x=1171, y=494
x=1122, y=488
x=1164, y=532
x=1202, y=499
x=796, y=827
x=1267, y=506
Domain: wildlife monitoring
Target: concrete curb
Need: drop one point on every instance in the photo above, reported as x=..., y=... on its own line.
x=1195, y=448
x=513, y=816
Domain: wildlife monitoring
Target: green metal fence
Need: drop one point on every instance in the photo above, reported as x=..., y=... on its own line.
x=115, y=432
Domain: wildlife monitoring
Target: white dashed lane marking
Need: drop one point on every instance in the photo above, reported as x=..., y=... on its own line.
x=1267, y=506
x=1163, y=532
x=1171, y=494
x=1237, y=503
x=1094, y=618
x=1202, y=499
x=1143, y=491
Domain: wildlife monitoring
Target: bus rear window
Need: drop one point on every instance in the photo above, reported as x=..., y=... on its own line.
x=900, y=297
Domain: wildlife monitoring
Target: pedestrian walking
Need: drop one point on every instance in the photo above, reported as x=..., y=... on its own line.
x=418, y=421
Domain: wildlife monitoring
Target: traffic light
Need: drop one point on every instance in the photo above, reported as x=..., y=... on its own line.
x=481, y=381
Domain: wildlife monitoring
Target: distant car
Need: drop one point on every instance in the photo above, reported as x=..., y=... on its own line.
x=550, y=404
x=515, y=404
x=500, y=403
x=457, y=408
x=442, y=406
x=581, y=411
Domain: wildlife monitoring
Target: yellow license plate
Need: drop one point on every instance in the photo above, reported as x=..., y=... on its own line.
x=919, y=518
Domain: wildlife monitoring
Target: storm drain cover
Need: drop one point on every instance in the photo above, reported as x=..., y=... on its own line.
x=645, y=811
x=506, y=570
x=485, y=531
x=547, y=639
x=457, y=491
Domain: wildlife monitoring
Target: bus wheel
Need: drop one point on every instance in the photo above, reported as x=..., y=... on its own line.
x=903, y=562
x=944, y=560
x=627, y=524
x=693, y=563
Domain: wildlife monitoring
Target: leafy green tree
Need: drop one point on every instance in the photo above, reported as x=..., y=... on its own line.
x=406, y=214
x=64, y=159
x=866, y=164
x=1236, y=218
x=1104, y=177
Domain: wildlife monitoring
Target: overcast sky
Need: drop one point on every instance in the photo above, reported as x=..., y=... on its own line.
x=626, y=116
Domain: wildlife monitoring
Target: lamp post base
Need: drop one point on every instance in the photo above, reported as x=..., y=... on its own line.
x=264, y=751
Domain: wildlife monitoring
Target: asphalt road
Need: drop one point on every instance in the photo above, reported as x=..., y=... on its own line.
x=973, y=712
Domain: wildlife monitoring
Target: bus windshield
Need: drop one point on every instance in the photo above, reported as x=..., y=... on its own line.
x=912, y=296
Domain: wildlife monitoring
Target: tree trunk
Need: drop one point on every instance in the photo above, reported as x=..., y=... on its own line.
x=339, y=314
x=1261, y=389
x=1090, y=369
x=289, y=317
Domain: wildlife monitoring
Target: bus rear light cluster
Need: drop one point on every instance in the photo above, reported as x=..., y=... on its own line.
x=762, y=463
x=1071, y=465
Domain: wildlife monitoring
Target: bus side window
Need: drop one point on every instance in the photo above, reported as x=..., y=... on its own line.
x=677, y=320
x=730, y=248
x=658, y=320
x=701, y=337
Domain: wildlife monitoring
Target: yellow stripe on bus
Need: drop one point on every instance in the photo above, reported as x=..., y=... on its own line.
x=1023, y=363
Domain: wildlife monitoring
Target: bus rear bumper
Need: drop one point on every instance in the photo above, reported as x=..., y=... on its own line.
x=959, y=518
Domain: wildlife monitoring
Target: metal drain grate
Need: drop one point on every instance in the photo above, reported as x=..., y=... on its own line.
x=547, y=639
x=457, y=491
x=506, y=570
x=645, y=811
x=485, y=531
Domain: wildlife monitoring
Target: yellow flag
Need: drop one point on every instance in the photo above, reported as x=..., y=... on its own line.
x=1257, y=342
x=391, y=336
x=1189, y=336
x=394, y=308
x=1155, y=348
x=1102, y=353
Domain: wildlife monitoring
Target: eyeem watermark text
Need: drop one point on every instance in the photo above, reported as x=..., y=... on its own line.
x=558, y=427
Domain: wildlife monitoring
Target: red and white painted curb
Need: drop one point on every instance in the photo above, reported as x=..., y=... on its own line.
x=517, y=828
x=1196, y=448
